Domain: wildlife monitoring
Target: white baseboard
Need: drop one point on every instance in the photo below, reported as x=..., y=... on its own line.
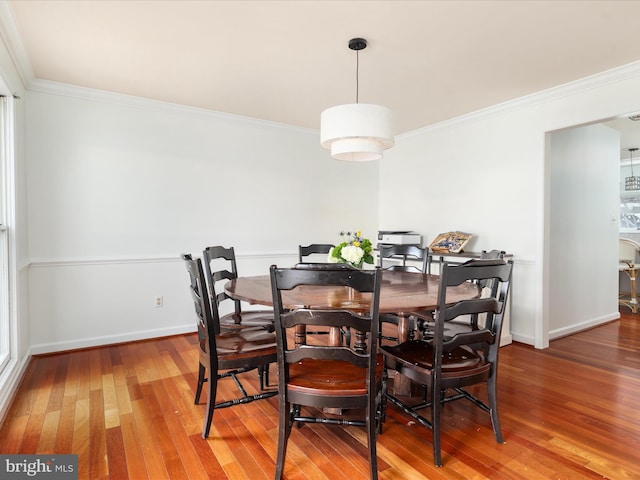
x=108, y=340
x=578, y=327
x=9, y=383
x=527, y=340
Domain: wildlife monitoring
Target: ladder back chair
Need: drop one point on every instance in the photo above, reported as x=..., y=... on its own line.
x=445, y=366
x=225, y=354
x=463, y=323
x=320, y=375
x=308, y=254
x=305, y=251
x=627, y=263
x=419, y=258
x=220, y=266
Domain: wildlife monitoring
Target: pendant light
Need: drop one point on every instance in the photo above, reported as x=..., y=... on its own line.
x=357, y=131
x=632, y=183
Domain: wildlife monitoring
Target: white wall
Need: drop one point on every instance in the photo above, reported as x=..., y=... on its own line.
x=486, y=173
x=585, y=195
x=119, y=187
x=473, y=177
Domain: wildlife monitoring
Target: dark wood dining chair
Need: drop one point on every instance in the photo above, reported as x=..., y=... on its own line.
x=425, y=318
x=305, y=251
x=225, y=354
x=220, y=266
x=628, y=264
x=419, y=258
x=445, y=366
x=395, y=257
x=308, y=254
x=495, y=253
x=319, y=375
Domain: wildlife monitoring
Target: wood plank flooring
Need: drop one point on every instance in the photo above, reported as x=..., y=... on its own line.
x=567, y=412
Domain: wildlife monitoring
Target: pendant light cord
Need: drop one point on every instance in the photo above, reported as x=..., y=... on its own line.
x=357, y=76
x=357, y=44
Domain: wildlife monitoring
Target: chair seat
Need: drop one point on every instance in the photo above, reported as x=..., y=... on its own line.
x=625, y=267
x=234, y=345
x=451, y=329
x=394, y=319
x=249, y=318
x=330, y=377
x=423, y=315
x=418, y=354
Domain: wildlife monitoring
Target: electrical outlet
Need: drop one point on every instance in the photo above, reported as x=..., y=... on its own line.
x=157, y=302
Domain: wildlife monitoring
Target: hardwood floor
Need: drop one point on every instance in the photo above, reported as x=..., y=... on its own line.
x=567, y=412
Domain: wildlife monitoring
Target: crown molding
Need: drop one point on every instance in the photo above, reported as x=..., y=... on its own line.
x=12, y=39
x=92, y=94
x=591, y=82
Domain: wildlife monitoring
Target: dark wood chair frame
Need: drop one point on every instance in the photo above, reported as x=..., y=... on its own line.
x=319, y=248
x=325, y=376
x=244, y=349
x=425, y=319
x=440, y=364
x=239, y=318
x=303, y=252
x=404, y=252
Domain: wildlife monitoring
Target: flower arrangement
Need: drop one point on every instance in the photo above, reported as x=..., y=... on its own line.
x=355, y=251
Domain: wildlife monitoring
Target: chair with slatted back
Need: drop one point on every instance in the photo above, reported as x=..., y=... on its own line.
x=446, y=366
x=628, y=264
x=310, y=254
x=220, y=266
x=462, y=323
x=395, y=257
x=319, y=375
x=306, y=251
x=492, y=253
x=225, y=354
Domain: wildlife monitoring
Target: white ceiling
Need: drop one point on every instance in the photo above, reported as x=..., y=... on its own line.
x=286, y=61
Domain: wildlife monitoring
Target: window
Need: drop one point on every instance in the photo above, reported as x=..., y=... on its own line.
x=629, y=201
x=6, y=215
x=630, y=214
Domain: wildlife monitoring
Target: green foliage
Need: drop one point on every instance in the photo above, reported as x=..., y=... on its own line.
x=363, y=244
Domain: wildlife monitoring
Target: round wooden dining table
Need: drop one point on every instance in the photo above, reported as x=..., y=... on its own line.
x=401, y=293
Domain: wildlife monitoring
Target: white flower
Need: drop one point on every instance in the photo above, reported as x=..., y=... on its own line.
x=331, y=258
x=352, y=254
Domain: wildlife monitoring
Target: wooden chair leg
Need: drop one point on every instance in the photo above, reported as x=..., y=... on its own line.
x=381, y=408
x=211, y=403
x=262, y=372
x=493, y=406
x=201, y=380
x=264, y=376
x=372, y=420
x=284, y=430
x=436, y=405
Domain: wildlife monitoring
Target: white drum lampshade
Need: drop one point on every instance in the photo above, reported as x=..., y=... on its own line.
x=357, y=131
